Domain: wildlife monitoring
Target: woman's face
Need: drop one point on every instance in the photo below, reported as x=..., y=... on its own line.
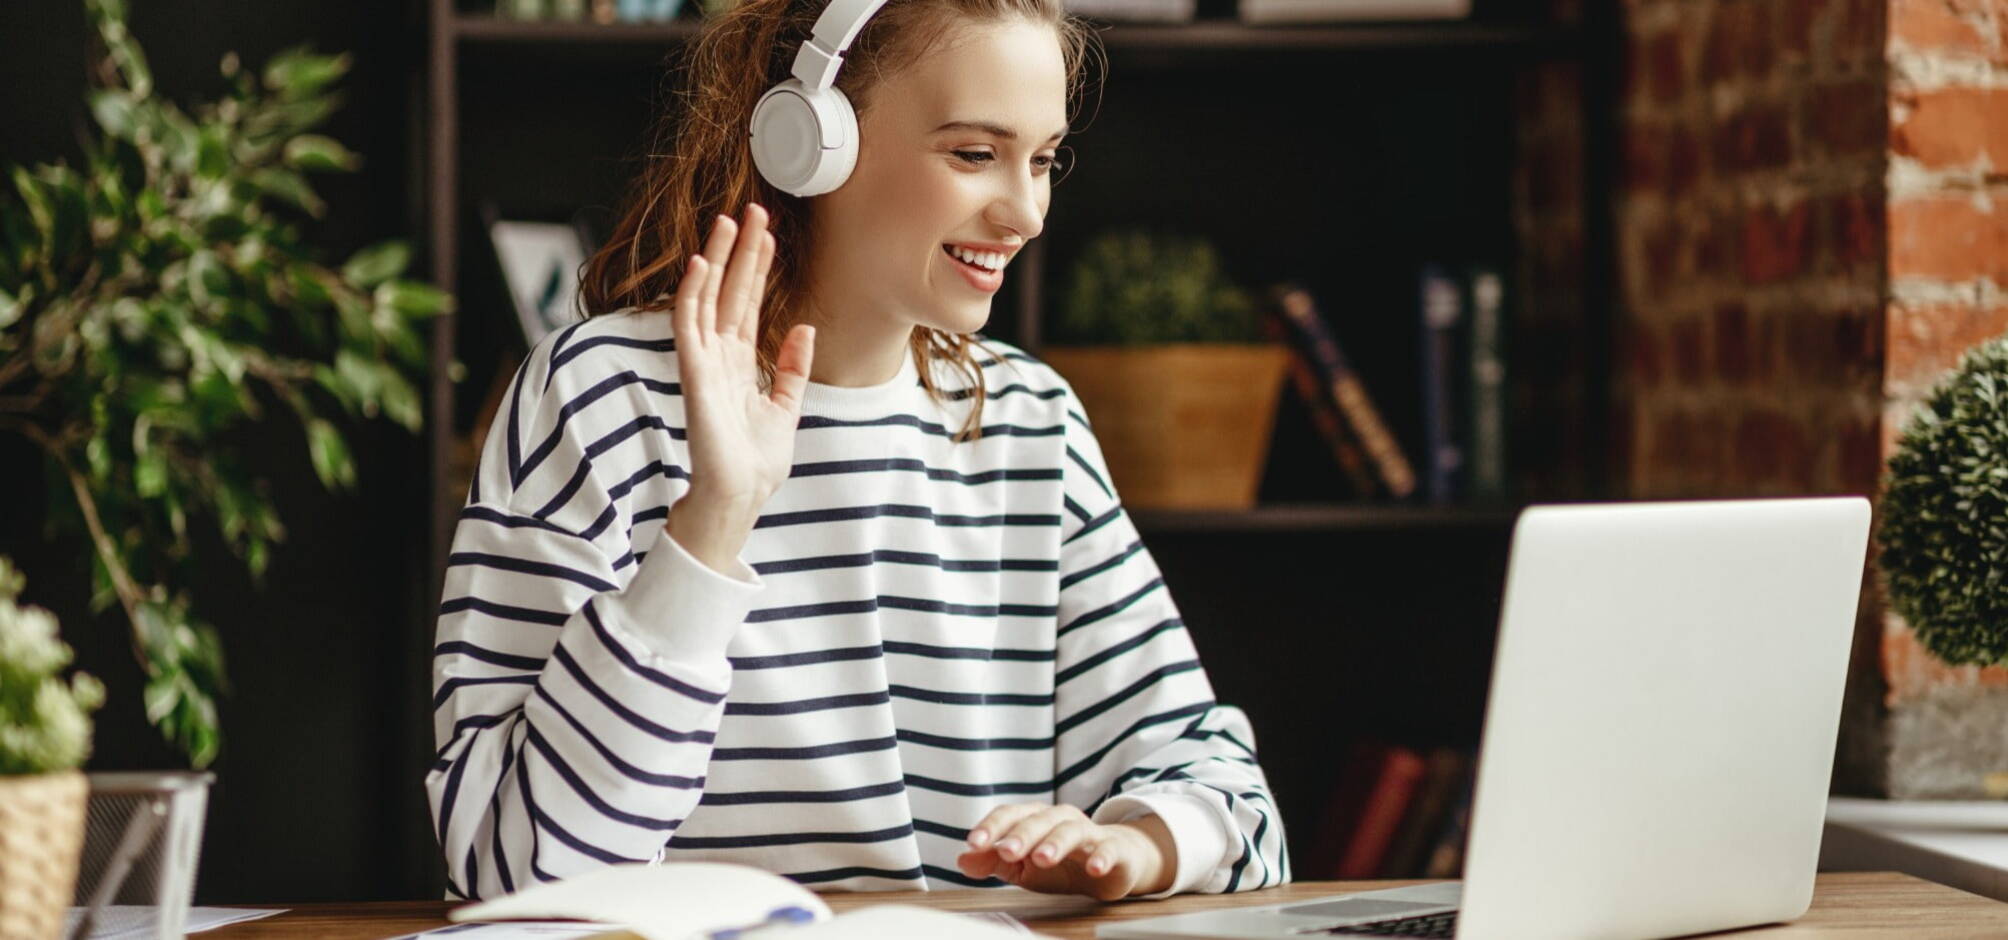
x=956, y=148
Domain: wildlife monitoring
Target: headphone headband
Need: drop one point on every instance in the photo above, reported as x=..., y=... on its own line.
x=817, y=62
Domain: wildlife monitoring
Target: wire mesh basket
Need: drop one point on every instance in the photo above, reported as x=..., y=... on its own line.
x=142, y=835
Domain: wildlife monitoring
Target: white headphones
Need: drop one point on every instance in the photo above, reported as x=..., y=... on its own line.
x=804, y=131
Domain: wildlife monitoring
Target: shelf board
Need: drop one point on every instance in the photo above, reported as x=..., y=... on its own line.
x=1211, y=35
x=1323, y=517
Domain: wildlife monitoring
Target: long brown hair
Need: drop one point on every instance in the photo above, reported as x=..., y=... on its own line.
x=701, y=165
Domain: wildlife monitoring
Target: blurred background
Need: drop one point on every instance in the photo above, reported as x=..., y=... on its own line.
x=1674, y=248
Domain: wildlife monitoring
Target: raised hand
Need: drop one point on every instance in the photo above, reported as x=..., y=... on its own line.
x=741, y=440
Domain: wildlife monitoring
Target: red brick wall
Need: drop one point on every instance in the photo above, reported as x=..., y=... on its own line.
x=1948, y=239
x=1807, y=238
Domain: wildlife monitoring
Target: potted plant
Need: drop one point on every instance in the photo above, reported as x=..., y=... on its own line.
x=45, y=734
x=160, y=301
x=1169, y=359
x=1942, y=540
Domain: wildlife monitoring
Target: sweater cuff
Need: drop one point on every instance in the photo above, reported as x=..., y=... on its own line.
x=1196, y=833
x=682, y=608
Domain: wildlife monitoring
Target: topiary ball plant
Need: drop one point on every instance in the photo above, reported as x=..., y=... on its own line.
x=1136, y=286
x=45, y=724
x=1944, y=530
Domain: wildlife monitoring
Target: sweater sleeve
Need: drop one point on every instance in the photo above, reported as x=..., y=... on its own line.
x=578, y=677
x=1138, y=730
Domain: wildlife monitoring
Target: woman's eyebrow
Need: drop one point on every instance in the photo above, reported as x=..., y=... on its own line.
x=993, y=129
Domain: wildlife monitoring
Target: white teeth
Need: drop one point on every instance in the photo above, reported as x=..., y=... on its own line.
x=990, y=260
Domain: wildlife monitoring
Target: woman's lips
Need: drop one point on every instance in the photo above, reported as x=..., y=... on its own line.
x=979, y=278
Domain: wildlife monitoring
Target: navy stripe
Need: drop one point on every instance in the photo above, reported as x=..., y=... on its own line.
x=955, y=877
x=1082, y=463
x=558, y=344
x=967, y=652
x=629, y=715
x=974, y=744
x=970, y=698
x=1118, y=606
x=652, y=674
x=1116, y=561
x=580, y=402
x=630, y=771
x=803, y=753
x=1081, y=766
x=1099, y=521
x=578, y=784
x=854, y=871
x=799, y=706
x=471, y=651
x=486, y=514
x=540, y=818
x=799, y=659
x=558, y=360
x=503, y=611
x=447, y=688
x=853, y=794
x=1145, y=681
x=1112, y=652
x=790, y=838
x=977, y=789
x=526, y=566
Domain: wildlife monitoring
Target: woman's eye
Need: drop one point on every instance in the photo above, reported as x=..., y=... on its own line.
x=1050, y=164
x=972, y=156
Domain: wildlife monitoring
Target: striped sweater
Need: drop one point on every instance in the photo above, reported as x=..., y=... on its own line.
x=917, y=631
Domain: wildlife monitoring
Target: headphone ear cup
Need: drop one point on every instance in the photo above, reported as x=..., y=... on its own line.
x=787, y=138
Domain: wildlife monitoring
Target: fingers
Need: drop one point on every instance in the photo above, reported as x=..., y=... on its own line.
x=739, y=288
x=1016, y=843
x=791, y=372
x=689, y=299
x=998, y=821
x=716, y=250
x=1061, y=841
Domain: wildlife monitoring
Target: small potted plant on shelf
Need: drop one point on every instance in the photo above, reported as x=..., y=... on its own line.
x=160, y=302
x=45, y=734
x=1170, y=360
x=1942, y=539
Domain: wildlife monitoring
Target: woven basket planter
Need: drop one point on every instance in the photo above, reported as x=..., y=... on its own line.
x=41, y=833
x=1181, y=425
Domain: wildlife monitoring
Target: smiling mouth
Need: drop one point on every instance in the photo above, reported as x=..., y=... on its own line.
x=975, y=267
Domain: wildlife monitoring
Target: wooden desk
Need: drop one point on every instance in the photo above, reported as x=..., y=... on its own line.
x=1851, y=904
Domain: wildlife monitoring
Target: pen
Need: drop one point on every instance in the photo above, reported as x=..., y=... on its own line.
x=790, y=914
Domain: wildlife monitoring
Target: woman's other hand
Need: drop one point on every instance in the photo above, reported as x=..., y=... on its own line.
x=742, y=441
x=1058, y=850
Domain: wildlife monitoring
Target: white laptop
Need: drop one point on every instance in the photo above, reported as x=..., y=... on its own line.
x=1659, y=732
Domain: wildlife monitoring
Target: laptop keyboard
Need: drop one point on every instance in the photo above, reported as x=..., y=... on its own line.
x=1428, y=925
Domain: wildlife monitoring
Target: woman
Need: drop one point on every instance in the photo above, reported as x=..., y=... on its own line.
x=730, y=584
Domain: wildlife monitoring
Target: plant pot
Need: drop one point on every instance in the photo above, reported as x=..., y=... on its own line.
x=1181, y=425
x=41, y=833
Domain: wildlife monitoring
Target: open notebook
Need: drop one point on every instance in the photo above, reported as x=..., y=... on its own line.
x=720, y=901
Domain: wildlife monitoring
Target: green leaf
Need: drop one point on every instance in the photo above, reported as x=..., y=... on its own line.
x=297, y=72
x=316, y=152
x=375, y=264
x=289, y=186
x=415, y=299
x=149, y=474
x=330, y=455
x=113, y=109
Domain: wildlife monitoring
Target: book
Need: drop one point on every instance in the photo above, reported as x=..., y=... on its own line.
x=691, y=900
x=1324, y=413
x=1441, y=321
x=1416, y=837
x=1313, y=341
x=1446, y=858
x=1358, y=772
x=1485, y=428
x=540, y=263
x=1382, y=814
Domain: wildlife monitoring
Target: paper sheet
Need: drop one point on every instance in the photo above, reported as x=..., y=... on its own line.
x=136, y=921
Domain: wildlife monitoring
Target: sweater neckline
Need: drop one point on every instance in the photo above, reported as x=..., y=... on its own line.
x=853, y=400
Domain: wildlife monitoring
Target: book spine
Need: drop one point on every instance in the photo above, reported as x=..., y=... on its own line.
x=1446, y=859
x=1347, y=392
x=1441, y=312
x=1324, y=414
x=1382, y=815
x=1416, y=837
x=1486, y=448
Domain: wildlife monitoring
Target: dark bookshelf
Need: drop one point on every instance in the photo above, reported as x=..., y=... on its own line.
x=1385, y=608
